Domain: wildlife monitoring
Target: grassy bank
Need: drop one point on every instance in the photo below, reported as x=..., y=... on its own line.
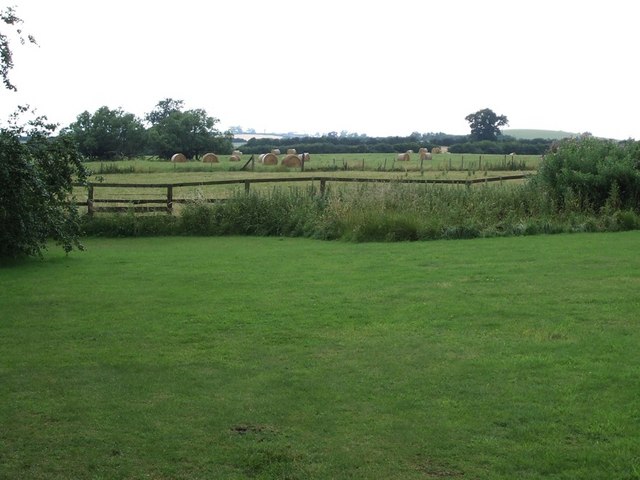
x=375, y=212
x=291, y=358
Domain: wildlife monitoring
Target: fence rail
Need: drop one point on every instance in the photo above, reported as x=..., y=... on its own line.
x=144, y=205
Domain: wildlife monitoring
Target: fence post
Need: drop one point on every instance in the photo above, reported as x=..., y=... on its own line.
x=90, y=201
x=169, y=199
x=302, y=163
x=247, y=183
x=323, y=186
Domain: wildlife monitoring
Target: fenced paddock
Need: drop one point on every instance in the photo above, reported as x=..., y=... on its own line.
x=333, y=162
x=162, y=197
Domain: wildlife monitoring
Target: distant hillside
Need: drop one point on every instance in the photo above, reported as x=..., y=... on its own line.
x=523, y=134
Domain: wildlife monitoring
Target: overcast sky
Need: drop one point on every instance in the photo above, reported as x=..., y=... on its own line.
x=372, y=67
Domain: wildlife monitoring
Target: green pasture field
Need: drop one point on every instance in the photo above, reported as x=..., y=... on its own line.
x=261, y=358
x=383, y=162
x=444, y=166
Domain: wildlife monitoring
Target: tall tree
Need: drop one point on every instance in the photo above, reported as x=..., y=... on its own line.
x=108, y=134
x=485, y=124
x=163, y=109
x=191, y=132
x=9, y=18
x=36, y=185
x=37, y=172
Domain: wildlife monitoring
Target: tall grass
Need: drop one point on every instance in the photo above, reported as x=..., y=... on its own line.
x=377, y=212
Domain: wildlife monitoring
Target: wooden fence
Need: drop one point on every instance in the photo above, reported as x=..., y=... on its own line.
x=95, y=204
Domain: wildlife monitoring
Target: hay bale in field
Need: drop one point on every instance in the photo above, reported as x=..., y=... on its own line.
x=422, y=150
x=436, y=150
x=512, y=154
x=268, y=159
x=403, y=157
x=304, y=156
x=210, y=158
x=179, y=158
x=276, y=151
x=237, y=153
x=410, y=152
x=292, y=161
x=234, y=158
x=425, y=155
x=291, y=151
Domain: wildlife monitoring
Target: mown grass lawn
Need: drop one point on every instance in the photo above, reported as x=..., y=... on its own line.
x=234, y=358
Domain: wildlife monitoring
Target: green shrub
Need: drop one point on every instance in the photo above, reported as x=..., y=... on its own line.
x=381, y=227
x=36, y=183
x=585, y=172
x=130, y=225
x=627, y=220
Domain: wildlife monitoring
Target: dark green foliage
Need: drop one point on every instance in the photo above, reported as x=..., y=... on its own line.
x=344, y=144
x=8, y=17
x=131, y=225
x=35, y=190
x=503, y=146
x=390, y=227
x=593, y=173
x=191, y=132
x=108, y=134
x=363, y=144
x=36, y=175
x=163, y=109
x=485, y=124
x=114, y=134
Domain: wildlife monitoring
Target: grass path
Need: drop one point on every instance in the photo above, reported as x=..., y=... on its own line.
x=290, y=358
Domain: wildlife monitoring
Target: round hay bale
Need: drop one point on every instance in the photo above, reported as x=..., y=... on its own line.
x=403, y=157
x=422, y=150
x=291, y=151
x=210, y=158
x=276, y=151
x=292, y=161
x=426, y=156
x=237, y=152
x=268, y=159
x=234, y=158
x=436, y=150
x=179, y=158
x=304, y=156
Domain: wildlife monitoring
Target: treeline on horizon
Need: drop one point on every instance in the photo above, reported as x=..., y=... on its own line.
x=333, y=143
x=112, y=134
